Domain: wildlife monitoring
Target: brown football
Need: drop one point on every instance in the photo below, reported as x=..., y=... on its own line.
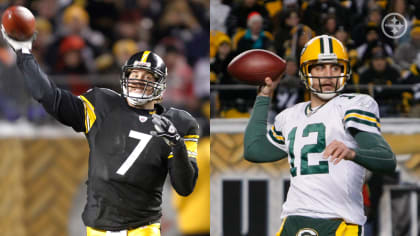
x=18, y=22
x=253, y=66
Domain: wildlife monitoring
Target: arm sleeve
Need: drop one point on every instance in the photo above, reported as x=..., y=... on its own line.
x=374, y=153
x=183, y=169
x=257, y=147
x=61, y=104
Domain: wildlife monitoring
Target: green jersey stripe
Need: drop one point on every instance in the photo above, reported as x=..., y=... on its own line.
x=274, y=138
x=276, y=132
x=331, y=45
x=365, y=122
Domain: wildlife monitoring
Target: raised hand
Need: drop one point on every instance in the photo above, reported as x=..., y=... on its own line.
x=25, y=46
x=165, y=128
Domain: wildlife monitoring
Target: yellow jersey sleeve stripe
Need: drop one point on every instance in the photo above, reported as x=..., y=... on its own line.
x=191, y=142
x=90, y=116
x=362, y=117
x=191, y=148
x=145, y=56
x=276, y=134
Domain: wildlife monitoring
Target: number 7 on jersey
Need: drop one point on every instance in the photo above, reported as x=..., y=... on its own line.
x=144, y=139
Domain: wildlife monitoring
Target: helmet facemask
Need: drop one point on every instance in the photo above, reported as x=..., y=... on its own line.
x=341, y=79
x=148, y=91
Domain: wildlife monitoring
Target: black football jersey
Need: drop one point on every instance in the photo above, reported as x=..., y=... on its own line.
x=127, y=165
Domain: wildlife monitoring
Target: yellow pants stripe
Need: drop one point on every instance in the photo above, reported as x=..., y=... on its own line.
x=347, y=230
x=148, y=230
x=281, y=227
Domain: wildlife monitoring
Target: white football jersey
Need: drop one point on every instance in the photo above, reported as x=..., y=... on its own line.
x=319, y=188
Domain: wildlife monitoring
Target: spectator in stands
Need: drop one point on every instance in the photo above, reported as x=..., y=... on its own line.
x=10, y=85
x=103, y=15
x=76, y=22
x=318, y=10
x=218, y=14
x=343, y=35
x=237, y=19
x=300, y=35
x=372, y=43
x=44, y=39
x=330, y=25
x=218, y=66
x=407, y=52
x=121, y=52
x=360, y=29
x=411, y=96
x=289, y=90
x=47, y=9
x=202, y=78
x=112, y=63
x=179, y=91
x=380, y=72
x=359, y=10
x=72, y=62
x=286, y=20
x=220, y=75
x=254, y=37
x=179, y=21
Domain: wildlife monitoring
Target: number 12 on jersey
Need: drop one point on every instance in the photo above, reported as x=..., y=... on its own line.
x=144, y=139
x=318, y=147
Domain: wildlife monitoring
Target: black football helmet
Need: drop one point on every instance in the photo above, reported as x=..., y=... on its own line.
x=152, y=63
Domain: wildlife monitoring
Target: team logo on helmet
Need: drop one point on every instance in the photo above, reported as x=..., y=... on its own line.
x=140, y=63
x=307, y=232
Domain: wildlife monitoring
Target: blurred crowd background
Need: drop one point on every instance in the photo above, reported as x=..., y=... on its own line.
x=386, y=68
x=83, y=43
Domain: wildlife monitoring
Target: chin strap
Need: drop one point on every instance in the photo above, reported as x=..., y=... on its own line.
x=326, y=96
x=137, y=102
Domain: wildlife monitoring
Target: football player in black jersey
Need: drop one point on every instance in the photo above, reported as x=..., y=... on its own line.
x=134, y=142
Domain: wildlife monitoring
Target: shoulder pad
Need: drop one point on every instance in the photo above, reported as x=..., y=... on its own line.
x=183, y=121
x=355, y=99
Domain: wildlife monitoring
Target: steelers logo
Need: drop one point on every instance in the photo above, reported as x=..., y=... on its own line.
x=394, y=25
x=307, y=232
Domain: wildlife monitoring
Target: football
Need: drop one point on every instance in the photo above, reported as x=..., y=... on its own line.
x=253, y=66
x=18, y=22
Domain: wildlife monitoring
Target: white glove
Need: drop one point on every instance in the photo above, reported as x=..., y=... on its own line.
x=25, y=46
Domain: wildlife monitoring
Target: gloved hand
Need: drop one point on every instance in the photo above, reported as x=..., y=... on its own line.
x=165, y=128
x=25, y=46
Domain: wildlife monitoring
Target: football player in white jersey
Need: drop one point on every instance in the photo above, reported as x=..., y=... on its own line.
x=329, y=141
